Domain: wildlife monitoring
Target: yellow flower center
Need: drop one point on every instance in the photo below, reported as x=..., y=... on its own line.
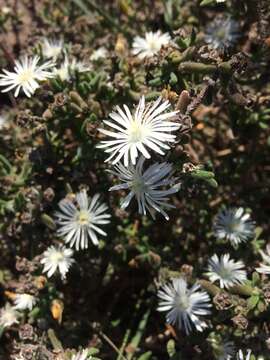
x=137, y=132
x=83, y=217
x=26, y=76
x=154, y=45
x=57, y=257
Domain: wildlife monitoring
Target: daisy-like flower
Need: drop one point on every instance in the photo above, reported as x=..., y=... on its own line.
x=24, y=302
x=225, y=270
x=265, y=266
x=150, y=44
x=185, y=306
x=146, y=186
x=222, y=33
x=99, y=54
x=8, y=316
x=81, y=355
x=234, y=225
x=241, y=356
x=26, y=76
x=69, y=67
x=57, y=258
x=52, y=48
x=81, y=220
x=149, y=127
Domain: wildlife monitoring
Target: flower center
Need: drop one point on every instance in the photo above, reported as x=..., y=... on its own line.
x=138, y=185
x=154, y=45
x=233, y=226
x=83, y=217
x=25, y=76
x=57, y=257
x=224, y=273
x=183, y=302
x=137, y=132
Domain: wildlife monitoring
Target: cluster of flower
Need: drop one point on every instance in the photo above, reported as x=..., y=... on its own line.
x=185, y=305
x=133, y=136
x=28, y=73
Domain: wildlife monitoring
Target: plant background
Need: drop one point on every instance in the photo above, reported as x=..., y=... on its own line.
x=48, y=150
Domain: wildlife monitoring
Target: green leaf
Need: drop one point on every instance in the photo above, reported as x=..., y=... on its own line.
x=145, y=356
x=203, y=174
x=48, y=221
x=135, y=341
x=93, y=351
x=173, y=78
x=171, y=348
x=255, y=278
x=212, y=182
x=253, y=301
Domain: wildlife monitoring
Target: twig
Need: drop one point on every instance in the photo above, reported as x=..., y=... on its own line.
x=109, y=341
x=197, y=101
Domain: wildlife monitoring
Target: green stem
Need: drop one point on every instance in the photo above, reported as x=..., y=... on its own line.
x=209, y=287
x=54, y=341
x=139, y=333
x=191, y=66
x=124, y=343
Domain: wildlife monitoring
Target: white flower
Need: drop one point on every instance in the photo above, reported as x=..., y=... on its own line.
x=27, y=73
x=220, y=1
x=145, y=186
x=222, y=33
x=57, y=258
x=52, y=48
x=185, y=306
x=8, y=316
x=226, y=351
x=150, y=44
x=225, y=270
x=24, y=302
x=265, y=267
x=5, y=10
x=234, y=225
x=63, y=72
x=149, y=128
x=82, y=355
x=79, y=222
x=69, y=67
x=98, y=54
x=241, y=356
